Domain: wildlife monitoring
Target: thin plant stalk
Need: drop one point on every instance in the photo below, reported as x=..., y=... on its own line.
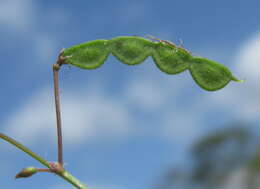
x=25, y=149
x=56, y=68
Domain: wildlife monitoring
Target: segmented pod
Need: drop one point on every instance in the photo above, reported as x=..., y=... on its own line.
x=131, y=50
x=171, y=60
x=210, y=75
x=89, y=55
x=168, y=58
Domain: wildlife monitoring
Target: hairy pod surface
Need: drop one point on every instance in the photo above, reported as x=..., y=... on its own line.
x=131, y=50
x=89, y=55
x=171, y=60
x=210, y=75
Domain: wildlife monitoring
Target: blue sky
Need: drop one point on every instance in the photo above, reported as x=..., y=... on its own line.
x=123, y=126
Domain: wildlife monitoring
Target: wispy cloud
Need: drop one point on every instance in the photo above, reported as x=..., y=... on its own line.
x=23, y=19
x=17, y=14
x=145, y=93
x=152, y=90
x=86, y=117
x=162, y=97
x=182, y=126
x=45, y=47
x=243, y=99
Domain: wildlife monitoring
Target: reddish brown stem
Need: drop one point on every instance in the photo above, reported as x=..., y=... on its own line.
x=43, y=170
x=56, y=68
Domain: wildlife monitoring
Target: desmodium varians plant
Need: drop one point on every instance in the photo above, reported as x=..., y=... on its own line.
x=132, y=50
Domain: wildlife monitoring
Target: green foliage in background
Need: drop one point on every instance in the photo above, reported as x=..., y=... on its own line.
x=216, y=158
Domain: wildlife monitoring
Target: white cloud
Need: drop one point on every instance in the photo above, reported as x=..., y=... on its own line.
x=162, y=96
x=145, y=93
x=181, y=126
x=243, y=99
x=153, y=91
x=45, y=47
x=23, y=18
x=86, y=116
x=248, y=59
x=16, y=14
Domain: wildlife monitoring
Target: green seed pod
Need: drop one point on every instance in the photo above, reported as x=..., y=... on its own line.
x=26, y=172
x=131, y=50
x=171, y=60
x=210, y=75
x=89, y=55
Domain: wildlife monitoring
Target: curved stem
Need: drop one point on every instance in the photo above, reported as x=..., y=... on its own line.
x=63, y=174
x=25, y=149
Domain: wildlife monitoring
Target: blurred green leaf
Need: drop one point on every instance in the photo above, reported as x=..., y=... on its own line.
x=216, y=157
